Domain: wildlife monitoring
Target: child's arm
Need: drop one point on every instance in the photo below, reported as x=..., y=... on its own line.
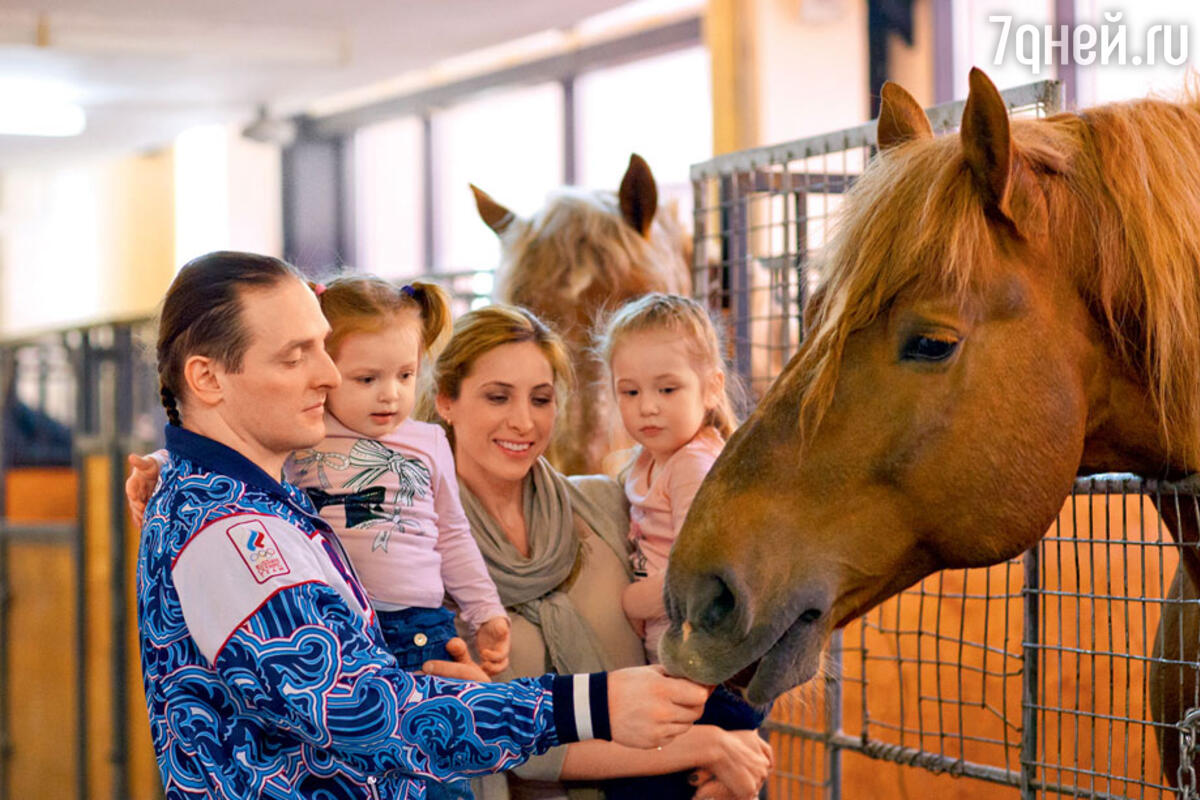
x=687, y=473
x=643, y=599
x=464, y=572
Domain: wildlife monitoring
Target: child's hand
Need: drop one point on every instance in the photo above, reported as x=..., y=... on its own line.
x=492, y=642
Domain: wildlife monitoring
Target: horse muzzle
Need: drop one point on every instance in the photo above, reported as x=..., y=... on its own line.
x=715, y=637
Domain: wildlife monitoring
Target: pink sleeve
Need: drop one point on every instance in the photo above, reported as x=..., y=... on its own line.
x=687, y=473
x=463, y=571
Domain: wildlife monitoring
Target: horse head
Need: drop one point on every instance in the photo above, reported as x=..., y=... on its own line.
x=584, y=254
x=989, y=326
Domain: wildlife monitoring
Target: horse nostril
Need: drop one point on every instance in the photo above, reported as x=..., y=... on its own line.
x=714, y=603
x=810, y=615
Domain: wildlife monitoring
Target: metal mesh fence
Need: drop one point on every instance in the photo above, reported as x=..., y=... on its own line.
x=76, y=401
x=1033, y=676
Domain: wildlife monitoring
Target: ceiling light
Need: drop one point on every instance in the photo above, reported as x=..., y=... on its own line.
x=38, y=108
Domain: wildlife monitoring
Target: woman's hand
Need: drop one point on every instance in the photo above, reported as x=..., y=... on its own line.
x=492, y=644
x=646, y=708
x=463, y=667
x=143, y=477
x=735, y=765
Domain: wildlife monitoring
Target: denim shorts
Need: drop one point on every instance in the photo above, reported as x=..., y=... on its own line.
x=416, y=635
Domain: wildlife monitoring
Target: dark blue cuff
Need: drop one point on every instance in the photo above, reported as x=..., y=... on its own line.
x=581, y=707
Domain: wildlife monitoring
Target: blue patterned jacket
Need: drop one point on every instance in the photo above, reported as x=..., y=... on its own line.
x=266, y=674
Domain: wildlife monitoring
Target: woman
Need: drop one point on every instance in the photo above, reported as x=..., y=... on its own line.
x=556, y=549
x=555, y=546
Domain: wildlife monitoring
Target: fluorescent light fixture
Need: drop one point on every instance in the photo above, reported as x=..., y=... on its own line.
x=30, y=107
x=194, y=39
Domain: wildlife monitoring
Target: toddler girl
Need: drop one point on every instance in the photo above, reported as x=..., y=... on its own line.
x=386, y=482
x=664, y=357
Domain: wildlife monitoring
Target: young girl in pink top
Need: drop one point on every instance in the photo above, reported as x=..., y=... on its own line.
x=386, y=482
x=664, y=358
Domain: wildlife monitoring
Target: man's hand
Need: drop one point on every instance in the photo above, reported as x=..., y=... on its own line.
x=492, y=642
x=737, y=766
x=648, y=709
x=463, y=667
x=143, y=477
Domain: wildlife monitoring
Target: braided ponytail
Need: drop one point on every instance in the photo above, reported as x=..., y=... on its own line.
x=168, y=403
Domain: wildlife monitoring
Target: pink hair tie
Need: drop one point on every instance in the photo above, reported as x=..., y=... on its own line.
x=318, y=289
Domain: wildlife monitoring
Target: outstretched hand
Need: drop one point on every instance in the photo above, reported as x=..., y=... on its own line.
x=463, y=667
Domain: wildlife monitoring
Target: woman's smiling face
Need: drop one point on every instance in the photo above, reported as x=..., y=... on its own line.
x=504, y=414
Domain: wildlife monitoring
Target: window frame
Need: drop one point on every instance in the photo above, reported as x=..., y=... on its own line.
x=328, y=154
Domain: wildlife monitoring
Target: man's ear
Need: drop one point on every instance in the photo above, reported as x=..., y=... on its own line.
x=205, y=380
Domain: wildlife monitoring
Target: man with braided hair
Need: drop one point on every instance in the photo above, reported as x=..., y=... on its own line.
x=265, y=671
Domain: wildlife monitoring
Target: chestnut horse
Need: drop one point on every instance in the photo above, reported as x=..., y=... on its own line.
x=584, y=254
x=1002, y=310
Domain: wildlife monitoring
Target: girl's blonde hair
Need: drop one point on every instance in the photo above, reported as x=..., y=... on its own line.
x=686, y=317
x=366, y=304
x=477, y=333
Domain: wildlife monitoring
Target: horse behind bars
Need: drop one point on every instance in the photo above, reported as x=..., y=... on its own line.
x=585, y=253
x=1003, y=310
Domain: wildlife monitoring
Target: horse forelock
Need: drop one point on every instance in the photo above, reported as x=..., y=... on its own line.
x=1124, y=177
x=579, y=243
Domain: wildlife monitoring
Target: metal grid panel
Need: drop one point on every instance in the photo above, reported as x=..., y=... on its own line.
x=762, y=214
x=66, y=396
x=1031, y=676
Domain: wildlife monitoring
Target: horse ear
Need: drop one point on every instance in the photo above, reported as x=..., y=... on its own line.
x=638, y=195
x=986, y=141
x=497, y=217
x=900, y=118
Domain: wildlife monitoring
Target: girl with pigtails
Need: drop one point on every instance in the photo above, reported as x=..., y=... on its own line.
x=386, y=483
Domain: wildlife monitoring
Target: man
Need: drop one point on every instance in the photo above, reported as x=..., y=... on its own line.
x=265, y=671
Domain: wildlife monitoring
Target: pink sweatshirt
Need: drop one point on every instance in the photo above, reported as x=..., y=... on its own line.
x=395, y=506
x=658, y=504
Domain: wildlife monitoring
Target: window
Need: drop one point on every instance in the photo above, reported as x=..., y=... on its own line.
x=659, y=108
x=389, y=192
x=508, y=143
x=506, y=132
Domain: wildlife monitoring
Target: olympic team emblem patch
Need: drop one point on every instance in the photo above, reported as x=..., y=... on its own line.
x=256, y=547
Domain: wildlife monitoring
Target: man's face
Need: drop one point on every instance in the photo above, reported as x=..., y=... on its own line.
x=276, y=402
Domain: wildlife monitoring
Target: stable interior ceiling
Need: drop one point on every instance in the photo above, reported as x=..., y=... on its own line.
x=145, y=71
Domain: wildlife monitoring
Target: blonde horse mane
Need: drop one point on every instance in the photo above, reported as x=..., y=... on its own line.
x=578, y=245
x=1123, y=195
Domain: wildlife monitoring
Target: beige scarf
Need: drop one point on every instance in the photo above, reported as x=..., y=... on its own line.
x=532, y=586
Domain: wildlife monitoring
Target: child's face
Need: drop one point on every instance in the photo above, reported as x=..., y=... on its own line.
x=662, y=398
x=379, y=377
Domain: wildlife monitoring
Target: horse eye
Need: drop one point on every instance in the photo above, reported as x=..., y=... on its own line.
x=927, y=348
